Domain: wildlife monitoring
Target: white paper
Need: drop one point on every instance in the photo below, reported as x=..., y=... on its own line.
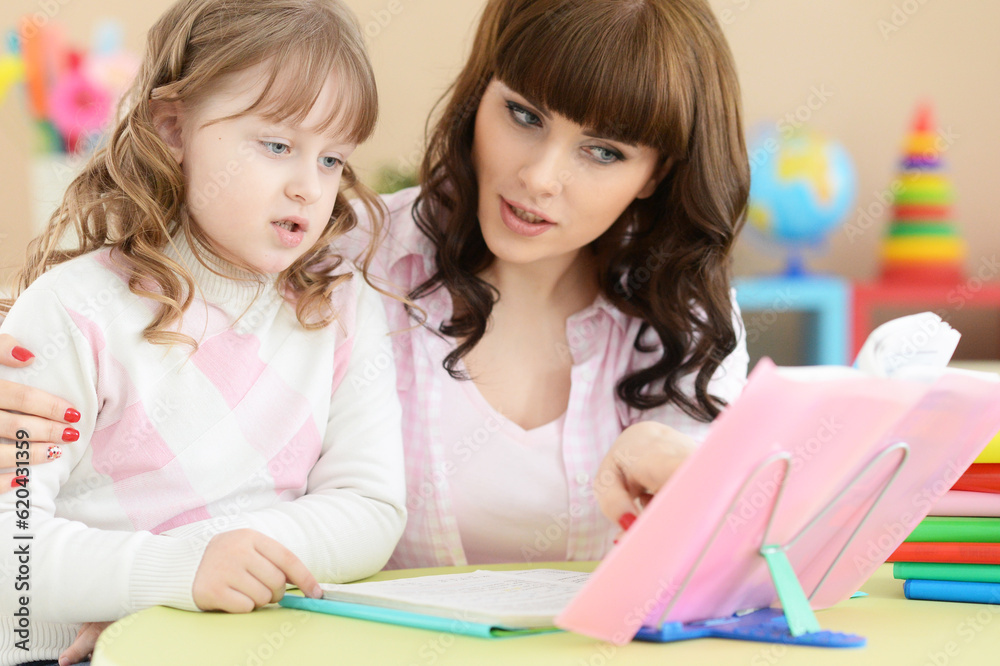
x=920, y=340
x=513, y=598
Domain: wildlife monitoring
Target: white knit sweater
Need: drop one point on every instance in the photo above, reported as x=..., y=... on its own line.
x=177, y=447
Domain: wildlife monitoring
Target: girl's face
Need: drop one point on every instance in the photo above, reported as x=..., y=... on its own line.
x=547, y=186
x=262, y=192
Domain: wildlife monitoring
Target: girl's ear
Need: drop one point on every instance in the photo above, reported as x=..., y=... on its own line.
x=167, y=122
x=654, y=181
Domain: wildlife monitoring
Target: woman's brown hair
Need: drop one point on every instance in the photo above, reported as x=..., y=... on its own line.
x=131, y=194
x=651, y=72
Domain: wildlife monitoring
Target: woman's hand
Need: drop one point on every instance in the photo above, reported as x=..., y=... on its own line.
x=84, y=644
x=639, y=462
x=243, y=570
x=46, y=418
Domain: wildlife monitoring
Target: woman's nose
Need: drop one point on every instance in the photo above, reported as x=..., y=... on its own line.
x=545, y=173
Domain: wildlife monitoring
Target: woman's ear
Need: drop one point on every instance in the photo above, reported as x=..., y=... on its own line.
x=167, y=121
x=654, y=181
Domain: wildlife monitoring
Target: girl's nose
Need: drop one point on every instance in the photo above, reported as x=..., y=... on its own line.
x=304, y=183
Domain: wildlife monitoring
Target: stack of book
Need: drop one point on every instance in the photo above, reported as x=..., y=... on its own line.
x=954, y=555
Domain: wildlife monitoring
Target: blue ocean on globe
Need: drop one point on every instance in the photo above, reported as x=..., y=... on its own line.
x=802, y=186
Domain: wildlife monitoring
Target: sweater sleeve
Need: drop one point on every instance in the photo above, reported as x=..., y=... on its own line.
x=77, y=573
x=346, y=525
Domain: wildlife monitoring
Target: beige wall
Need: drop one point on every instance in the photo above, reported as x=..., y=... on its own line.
x=873, y=60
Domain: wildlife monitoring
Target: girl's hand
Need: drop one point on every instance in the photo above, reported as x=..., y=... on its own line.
x=243, y=570
x=639, y=462
x=47, y=420
x=84, y=644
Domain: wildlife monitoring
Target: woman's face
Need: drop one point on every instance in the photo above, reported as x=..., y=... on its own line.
x=547, y=186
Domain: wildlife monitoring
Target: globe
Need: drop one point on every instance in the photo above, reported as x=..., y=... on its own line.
x=802, y=187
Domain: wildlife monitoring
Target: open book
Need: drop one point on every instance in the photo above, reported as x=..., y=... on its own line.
x=831, y=466
x=480, y=603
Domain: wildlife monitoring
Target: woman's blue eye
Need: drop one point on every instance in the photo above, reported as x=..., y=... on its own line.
x=605, y=155
x=275, y=147
x=330, y=162
x=522, y=115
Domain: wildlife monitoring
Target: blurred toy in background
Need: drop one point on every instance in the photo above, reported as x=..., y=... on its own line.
x=11, y=73
x=389, y=179
x=71, y=93
x=802, y=187
x=922, y=243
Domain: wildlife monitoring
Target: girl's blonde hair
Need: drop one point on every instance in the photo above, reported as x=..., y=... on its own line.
x=130, y=196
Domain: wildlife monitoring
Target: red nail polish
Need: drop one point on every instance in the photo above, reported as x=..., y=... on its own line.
x=18, y=481
x=626, y=520
x=70, y=435
x=71, y=415
x=21, y=354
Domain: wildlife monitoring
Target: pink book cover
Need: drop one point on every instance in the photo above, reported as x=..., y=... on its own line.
x=832, y=429
x=967, y=503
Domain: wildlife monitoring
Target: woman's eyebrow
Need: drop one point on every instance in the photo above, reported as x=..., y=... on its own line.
x=607, y=137
x=538, y=107
x=587, y=131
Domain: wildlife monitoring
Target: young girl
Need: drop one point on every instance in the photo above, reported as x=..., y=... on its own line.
x=570, y=243
x=211, y=339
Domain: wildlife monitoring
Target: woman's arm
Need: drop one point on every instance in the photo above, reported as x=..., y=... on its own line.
x=48, y=420
x=640, y=461
x=654, y=445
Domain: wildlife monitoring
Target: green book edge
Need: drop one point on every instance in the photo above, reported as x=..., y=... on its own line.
x=958, y=572
x=407, y=619
x=953, y=528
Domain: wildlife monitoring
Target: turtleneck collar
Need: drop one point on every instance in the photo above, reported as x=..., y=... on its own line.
x=228, y=287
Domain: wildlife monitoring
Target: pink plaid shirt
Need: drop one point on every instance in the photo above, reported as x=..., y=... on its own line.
x=601, y=343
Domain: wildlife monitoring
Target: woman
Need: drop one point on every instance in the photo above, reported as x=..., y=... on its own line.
x=569, y=252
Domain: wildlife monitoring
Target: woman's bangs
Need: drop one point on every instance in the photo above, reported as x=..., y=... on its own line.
x=587, y=71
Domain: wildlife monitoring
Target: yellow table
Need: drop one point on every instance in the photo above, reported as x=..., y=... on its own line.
x=899, y=631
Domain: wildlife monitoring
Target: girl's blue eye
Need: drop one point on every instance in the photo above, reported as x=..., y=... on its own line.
x=330, y=162
x=605, y=155
x=522, y=116
x=275, y=147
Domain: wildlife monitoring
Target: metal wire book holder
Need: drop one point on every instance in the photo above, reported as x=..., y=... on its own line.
x=796, y=624
x=798, y=493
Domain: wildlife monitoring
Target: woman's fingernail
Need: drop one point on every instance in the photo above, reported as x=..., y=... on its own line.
x=63, y=661
x=55, y=452
x=626, y=520
x=71, y=416
x=70, y=435
x=18, y=481
x=21, y=354
x=317, y=592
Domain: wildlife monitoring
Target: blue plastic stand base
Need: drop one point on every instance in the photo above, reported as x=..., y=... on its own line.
x=767, y=625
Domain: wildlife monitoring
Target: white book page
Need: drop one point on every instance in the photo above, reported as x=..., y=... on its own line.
x=920, y=340
x=526, y=597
